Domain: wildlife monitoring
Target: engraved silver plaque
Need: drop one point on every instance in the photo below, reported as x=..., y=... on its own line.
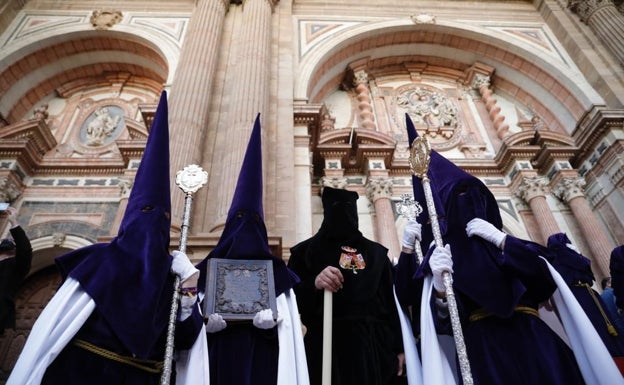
x=239, y=288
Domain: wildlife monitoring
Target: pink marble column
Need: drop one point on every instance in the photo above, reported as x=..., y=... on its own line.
x=482, y=83
x=570, y=190
x=534, y=190
x=365, y=106
x=189, y=99
x=379, y=191
x=605, y=20
x=250, y=96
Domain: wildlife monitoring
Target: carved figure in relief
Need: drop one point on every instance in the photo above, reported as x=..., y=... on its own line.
x=102, y=127
x=431, y=110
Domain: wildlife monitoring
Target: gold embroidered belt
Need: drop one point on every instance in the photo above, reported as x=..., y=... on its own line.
x=150, y=366
x=480, y=314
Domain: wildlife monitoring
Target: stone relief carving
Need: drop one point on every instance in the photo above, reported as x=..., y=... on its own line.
x=9, y=191
x=101, y=126
x=58, y=239
x=430, y=111
x=101, y=19
x=41, y=112
x=423, y=18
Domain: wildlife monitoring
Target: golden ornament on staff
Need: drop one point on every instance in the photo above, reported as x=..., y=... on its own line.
x=420, y=157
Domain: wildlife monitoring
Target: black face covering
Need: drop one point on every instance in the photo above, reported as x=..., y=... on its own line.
x=7, y=245
x=340, y=219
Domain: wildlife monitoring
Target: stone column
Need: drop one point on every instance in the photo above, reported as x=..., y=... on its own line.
x=250, y=94
x=604, y=19
x=189, y=99
x=534, y=190
x=570, y=190
x=379, y=192
x=365, y=106
x=482, y=83
x=303, y=181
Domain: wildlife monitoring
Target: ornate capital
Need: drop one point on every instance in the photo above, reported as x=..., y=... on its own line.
x=532, y=187
x=360, y=77
x=570, y=188
x=340, y=183
x=480, y=81
x=379, y=188
x=585, y=8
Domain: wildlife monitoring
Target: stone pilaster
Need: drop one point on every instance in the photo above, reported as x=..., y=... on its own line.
x=534, y=191
x=570, y=190
x=605, y=20
x=379, y=191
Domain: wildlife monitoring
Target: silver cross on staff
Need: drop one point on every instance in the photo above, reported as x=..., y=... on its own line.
x=189, y=180
x=411, y=209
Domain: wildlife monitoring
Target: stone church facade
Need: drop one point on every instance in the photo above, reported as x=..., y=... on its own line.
x=526, y=95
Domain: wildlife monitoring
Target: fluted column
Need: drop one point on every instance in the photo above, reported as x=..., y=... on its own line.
x=189, y=99
x=250, y=94
x=379, y=192
x=604, y=19
x=570, y=190
x=365, y=106
x=534, y=190
x=482, y=83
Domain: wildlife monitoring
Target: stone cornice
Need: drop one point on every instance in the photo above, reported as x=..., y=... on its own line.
x=592, y=128
x=27, y=141
x=354, y=147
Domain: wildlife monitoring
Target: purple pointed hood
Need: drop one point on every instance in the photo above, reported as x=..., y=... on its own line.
x=572, y=266
x=616, y=269
x=129, y=278
x=244, y=234
x=460, y=197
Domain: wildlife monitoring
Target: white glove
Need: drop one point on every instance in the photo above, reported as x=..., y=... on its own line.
x=264, y=319
x=411, y=234
x=182, y=266
x=215, y=323
x=485, y=230
x=440, y=261
x=572, y=247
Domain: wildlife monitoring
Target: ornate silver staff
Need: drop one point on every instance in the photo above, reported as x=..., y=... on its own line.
x=419, y=163
x=190, y=179
x=411, y=209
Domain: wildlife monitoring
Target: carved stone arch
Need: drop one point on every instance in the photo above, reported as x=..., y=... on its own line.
x=323, y=66
x=87, y=59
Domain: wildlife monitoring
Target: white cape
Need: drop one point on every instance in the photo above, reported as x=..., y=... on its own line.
x=591, y=354
x=595, y=362
x=61, y=319
x=412, y=360
x=292, y=363
x=436, y=367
